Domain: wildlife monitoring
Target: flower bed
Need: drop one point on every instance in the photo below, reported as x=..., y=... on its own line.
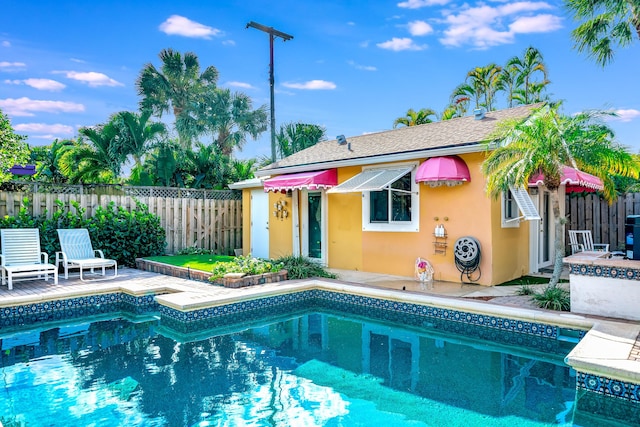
x=232, y=280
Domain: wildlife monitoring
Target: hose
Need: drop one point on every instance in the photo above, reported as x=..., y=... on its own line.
x=467, y=258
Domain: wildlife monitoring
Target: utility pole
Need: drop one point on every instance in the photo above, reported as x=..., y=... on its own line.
x=272, y=34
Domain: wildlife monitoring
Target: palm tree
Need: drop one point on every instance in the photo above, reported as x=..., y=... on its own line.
x=48, y=160
x=241, y=170
x=508, y=83
x=524, y=69
x=229, y=117
x=481, y=85
x=97, y=162
x=414, y=118
x=205, y=167
x=544, y=143
x=136, y=133
x=294, y=137
x=160, y=165
x=176, y=88
x=607, y=24
x=458, y=108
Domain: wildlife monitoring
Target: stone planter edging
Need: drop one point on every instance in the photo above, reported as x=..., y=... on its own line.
x=203, y=276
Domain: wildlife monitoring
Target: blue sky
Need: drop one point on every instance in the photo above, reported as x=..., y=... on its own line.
x=352, y=66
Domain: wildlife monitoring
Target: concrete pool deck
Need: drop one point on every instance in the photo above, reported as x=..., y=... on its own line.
x=610, y=349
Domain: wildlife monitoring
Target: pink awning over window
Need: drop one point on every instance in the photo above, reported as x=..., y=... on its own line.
x=571, y=176
x=449, y=170
x=304, y=180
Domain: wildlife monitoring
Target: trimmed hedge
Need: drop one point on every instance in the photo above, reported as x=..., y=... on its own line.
x=121, y=234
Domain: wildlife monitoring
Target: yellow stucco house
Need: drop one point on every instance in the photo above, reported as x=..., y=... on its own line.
x=377, y=202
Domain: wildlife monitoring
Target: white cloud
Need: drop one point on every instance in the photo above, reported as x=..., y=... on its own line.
x=42, y=128
x=536, y=24
x=626, y=115
x=485, y=26
x=79, y=61
x=240, y=84
x=40, y=84
x=398, y=44
x=177, y=25
x=362, y=67
x=6, y=43
x=229, y=42
x=312, y=85
x=11, y=66
x=419, y=28
x=92, y=78
x=417, y=4
x=25, y=107
x=364, y=43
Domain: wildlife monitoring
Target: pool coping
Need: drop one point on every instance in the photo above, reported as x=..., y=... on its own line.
x=604, y=351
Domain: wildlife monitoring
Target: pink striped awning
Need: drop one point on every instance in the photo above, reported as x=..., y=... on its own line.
x=450, y=170
x=304, y=180
x=571, y=176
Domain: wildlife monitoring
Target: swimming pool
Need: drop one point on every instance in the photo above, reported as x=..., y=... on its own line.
x=301, y=362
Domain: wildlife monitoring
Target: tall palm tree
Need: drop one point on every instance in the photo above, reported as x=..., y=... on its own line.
x=294, y=137
x=525, y=68
x=98, y=161
x=414, y=118
x=229, y=118
x=508, y=83
x=481, y=85
x=544, y=143
x=607, y=24
x=176, y=88
x=136, y=133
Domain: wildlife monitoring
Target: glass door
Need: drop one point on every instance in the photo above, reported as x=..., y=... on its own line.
x=313, y=225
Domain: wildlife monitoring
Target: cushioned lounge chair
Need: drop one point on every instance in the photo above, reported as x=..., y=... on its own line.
x=77, y=252
x=21, y=256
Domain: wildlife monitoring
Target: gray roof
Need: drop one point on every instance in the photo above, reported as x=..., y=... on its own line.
x=455, y=136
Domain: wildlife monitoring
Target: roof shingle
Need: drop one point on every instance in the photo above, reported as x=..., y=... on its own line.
x=459, y=132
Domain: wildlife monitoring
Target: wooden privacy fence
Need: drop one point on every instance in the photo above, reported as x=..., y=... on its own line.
x=208, y=223
x=588, y=211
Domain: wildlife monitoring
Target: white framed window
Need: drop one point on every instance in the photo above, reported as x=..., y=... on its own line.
x=514, y=202
x=390, y=197
x=510, y=212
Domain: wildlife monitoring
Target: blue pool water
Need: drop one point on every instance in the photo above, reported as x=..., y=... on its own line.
x=301, y=368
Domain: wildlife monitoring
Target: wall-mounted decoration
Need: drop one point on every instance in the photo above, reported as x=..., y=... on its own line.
x=280, y=210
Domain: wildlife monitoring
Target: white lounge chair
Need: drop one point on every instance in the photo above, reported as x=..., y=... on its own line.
x=76, y=251
x=21, y=256
x=582, y=241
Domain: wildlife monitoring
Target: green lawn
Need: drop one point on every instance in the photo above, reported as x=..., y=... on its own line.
x=197, y=262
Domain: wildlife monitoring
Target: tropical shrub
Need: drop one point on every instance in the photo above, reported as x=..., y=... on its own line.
x=299, y=267
x=553, y=298
x=122, y=235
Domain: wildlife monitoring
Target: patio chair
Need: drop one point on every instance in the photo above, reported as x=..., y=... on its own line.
x=21, y=256
x=77, y=252
x=582, y=241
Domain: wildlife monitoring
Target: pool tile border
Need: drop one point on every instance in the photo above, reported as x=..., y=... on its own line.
x=496, y=322
x=608, y=387
x=59, y=309
x=626, y=273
